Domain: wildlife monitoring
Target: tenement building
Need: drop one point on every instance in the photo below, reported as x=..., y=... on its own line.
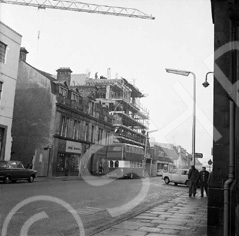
x=10, y=42
x=55, y=124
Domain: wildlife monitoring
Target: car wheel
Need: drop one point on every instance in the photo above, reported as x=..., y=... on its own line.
x=7, y=180
x=187, y=183
x=166, y=180
x=176, y=184
x=31, y=179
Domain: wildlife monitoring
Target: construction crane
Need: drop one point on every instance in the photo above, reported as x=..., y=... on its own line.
x=81, y=7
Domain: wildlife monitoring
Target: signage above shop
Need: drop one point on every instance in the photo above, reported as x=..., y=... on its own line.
x=73, y=147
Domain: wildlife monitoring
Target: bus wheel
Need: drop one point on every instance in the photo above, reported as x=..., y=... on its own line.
x=131, y=176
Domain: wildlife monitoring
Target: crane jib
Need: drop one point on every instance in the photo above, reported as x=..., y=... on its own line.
x=82, y=7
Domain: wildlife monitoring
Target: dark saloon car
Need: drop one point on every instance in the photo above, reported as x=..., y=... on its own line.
x=11, y=171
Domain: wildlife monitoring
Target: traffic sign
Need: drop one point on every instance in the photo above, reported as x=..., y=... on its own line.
x=198, y=155
x=210, y=162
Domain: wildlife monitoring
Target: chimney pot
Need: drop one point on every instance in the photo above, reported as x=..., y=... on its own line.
x=23, y=54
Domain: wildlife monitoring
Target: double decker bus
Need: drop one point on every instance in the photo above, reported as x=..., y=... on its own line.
x=119, y=160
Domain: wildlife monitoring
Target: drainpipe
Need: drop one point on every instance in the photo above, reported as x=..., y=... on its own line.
x=231, y=175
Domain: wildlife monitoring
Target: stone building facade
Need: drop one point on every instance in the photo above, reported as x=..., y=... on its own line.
x=10, y=42
x=223, y=198
x=53, y=124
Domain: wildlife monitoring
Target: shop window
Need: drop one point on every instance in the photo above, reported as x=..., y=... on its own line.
x=74, y=163
x=60, y=163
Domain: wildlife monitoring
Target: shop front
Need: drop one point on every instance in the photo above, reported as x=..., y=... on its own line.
x=68, y=158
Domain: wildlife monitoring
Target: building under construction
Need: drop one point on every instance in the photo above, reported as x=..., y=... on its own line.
x=130, y=119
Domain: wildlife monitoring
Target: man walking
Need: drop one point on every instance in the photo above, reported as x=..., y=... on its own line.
x=193, y=177
x=203, y=178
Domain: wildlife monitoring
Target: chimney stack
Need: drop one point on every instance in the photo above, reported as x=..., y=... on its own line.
x=108, y=73
x=23, y=54
x=64, y=75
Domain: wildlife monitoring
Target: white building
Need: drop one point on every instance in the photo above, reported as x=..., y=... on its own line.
x=10, y=42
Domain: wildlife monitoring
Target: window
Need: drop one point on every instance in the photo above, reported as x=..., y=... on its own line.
x=20, y=166
x=74, y=97
x=75, y=130
x=100, y=135
x=107, y=137
x=64, y=126
x=86, y=132
x=111, y=164
x=63, y=91
x=1, y=83
x=92, y=133
x=3, y=49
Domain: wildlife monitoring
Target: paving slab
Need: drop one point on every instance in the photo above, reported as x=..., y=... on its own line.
x=181, y=216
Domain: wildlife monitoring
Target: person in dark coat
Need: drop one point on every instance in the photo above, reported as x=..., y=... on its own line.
x=193, y=177
x=203, y=179
x=101, y=169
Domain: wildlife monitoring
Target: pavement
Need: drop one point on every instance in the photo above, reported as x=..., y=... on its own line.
x=182, y=215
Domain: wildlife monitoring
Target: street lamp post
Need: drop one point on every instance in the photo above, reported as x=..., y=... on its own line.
x=145, y=145
x=186, y=73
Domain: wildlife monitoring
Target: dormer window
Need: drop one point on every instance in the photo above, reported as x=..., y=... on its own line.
x=74, y=97
x=63, y=91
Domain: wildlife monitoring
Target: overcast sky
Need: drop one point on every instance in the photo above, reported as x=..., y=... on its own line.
x=180, y=37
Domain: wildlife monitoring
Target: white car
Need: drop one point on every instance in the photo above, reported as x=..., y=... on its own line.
x=177, y=176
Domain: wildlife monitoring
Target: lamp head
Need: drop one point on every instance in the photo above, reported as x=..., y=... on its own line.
x=178, y=72
x=205, y=84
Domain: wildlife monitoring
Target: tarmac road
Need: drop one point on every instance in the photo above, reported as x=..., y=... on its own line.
x=77, y=207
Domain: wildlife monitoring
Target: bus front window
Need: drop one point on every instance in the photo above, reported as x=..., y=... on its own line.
x=111, y=164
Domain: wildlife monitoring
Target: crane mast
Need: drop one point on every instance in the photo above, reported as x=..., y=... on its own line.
x=81, y=7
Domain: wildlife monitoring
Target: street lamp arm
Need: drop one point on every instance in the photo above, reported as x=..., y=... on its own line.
x=205, y=83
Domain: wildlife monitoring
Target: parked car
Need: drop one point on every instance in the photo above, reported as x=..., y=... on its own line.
x=177, y=176
x=11, y=171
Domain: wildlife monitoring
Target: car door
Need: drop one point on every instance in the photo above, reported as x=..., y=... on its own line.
x=184, y=176
x=176, y=176
x=13, y=170
x=22, y=172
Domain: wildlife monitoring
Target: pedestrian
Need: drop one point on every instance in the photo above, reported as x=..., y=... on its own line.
x=203, y=178
x=193, y=177
x=101, y=169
